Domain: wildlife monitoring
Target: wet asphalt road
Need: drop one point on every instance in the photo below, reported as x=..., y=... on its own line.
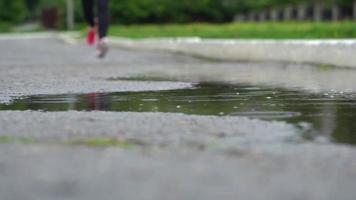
x=173, y=156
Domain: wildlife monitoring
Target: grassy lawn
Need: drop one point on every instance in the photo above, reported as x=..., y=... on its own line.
x=268, y=30
x=21, y=28
x=4, y=27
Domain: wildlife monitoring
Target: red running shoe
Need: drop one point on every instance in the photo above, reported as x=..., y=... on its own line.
x=91, y=36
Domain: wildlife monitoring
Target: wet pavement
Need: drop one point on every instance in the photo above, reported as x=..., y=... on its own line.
x=329, y=116
x=266, y=127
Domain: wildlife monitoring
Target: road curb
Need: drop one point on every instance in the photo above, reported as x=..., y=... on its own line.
x=339, y=53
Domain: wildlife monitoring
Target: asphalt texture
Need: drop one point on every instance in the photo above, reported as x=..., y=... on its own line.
x=165, y=156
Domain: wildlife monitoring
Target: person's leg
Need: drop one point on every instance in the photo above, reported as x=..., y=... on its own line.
x=88, y=9
x=103, y=14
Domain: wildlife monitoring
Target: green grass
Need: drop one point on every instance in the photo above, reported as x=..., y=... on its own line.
x=268, y=30
x=9, y=139
x=90, y=142
x=4, y=27
x=11, y=28
x=325, y=67
x=101, y=142
x=246, y=30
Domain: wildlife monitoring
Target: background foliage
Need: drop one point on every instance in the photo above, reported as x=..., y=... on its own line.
x=152, y=11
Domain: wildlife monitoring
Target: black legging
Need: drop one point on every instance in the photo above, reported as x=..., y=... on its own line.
x=103, y=15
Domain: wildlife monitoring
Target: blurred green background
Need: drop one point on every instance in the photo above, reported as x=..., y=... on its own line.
x=168, y=18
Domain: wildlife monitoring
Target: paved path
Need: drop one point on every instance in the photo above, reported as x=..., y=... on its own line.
x=169, y=156
x=48, y=66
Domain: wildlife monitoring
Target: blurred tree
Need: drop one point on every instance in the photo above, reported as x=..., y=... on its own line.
x=158, y=11
x=13, y=11
x=162, y=11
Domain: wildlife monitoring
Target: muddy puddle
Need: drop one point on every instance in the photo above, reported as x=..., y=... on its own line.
x=332, y=116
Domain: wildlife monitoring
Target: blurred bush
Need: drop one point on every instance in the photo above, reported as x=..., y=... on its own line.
x=261, y=4
x=152, y=11
x=13, y=11
x=162, y=11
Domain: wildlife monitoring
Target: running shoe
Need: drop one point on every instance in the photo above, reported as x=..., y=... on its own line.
x=102, y=48
x=91, y=36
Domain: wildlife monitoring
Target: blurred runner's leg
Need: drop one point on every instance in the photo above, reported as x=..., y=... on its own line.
x=88, y=8
x=103, y=13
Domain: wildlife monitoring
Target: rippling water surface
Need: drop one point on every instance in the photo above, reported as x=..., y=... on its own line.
x=330, y=115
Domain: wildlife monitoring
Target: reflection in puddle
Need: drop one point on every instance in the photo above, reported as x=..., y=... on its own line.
x=267, y=114
x=329, y=115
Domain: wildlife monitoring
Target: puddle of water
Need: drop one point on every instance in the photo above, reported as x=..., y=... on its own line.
x=329, y=115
